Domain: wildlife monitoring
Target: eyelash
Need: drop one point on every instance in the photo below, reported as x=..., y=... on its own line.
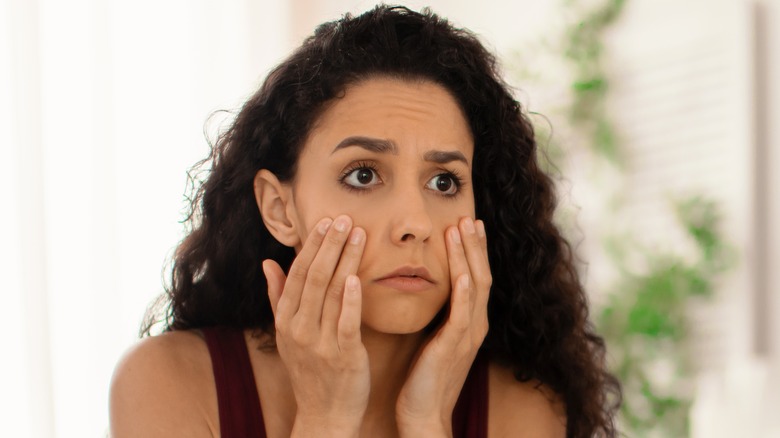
x=353, y=167
x=457, y=179
x=455, y=176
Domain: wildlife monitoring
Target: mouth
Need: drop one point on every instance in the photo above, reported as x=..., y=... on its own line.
x=409, y=272
x=408, y=279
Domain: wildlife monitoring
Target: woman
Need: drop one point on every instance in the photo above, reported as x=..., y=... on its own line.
x=374, y=208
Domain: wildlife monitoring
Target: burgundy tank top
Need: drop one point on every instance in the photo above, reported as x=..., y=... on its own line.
x=240, y=414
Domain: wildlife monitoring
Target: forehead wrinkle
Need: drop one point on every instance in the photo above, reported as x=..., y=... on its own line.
x=382, y=107
x=420, y=110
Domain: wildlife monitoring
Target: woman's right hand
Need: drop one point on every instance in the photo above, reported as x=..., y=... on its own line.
x=317, y=312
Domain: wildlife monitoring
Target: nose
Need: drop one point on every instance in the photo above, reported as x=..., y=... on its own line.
x=411, y=219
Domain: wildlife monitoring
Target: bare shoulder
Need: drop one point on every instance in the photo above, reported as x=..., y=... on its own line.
x=523, y=409
x=163, y=386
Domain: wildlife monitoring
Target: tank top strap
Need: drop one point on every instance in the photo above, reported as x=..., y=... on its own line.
x=470, y=416
x=240, y=414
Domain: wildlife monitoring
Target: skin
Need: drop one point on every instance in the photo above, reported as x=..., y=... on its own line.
x=351, y=358
x=404, y=201
x=404, y=220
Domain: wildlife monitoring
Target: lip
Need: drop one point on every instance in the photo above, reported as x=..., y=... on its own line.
x=410, y=271
x=407, y=278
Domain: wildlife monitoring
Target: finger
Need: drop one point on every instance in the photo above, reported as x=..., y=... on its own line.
x=321, y=272
x=296, y=278
x=349, y=263
x=456, y=256
x=349, y=320
x=454, y=330
x=477, y=260
x=275, y=278
x=483, y=297
x=483, y=237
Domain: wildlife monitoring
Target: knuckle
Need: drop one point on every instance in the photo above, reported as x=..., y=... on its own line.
x=348, y=335
x=334, y=238
x=300, y=334
x=297, y=272
x=349, y=331
x=323, y=351
x=334, y=292
x=318, y=278
x=294, y=332
x=460, y=326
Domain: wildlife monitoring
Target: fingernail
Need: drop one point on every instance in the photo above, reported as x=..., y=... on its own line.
x=481, y=228
x=323, y=226
x=463, y=281
x=356, y=237
x=468, y=225
x=341, y=225
x=455, y=235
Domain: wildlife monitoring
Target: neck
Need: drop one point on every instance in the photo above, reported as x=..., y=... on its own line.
x=390, y=359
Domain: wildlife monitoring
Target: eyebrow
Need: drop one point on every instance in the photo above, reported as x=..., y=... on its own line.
x=443, y=157
x=383, y=146
x=368, y=143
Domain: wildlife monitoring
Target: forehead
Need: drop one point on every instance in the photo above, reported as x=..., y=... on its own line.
x=415, y=114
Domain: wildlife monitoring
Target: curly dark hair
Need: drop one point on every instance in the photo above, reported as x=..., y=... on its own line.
x=538, y=310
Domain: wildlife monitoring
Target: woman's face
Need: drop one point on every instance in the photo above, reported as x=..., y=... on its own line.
x=396, y=157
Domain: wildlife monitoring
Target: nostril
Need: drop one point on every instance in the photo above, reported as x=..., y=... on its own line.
x=407, y=236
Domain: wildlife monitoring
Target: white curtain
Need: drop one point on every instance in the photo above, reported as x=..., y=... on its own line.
x=102, y=108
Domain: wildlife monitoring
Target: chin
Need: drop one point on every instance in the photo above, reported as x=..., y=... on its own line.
x=403, y=316
x=394, y=327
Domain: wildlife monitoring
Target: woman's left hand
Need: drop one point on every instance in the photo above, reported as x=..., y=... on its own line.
x=428, y=397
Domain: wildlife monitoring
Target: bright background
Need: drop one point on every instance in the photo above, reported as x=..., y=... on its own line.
x=102, y=111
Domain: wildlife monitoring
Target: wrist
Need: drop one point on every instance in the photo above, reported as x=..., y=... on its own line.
x=326, y=427
x=417, y=428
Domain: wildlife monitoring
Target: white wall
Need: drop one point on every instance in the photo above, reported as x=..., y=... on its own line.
x=768, y=137
x=687, y=98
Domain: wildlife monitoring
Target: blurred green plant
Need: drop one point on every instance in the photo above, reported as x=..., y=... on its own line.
x=583, y=49
x=646, y=324
x=645, y=319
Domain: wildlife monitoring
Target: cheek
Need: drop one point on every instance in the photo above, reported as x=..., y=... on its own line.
x=322, y=205
x=369, y=217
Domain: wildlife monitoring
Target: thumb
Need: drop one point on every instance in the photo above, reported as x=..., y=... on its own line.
x=274, y=276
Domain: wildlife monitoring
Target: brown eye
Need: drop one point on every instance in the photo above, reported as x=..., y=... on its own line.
x=362, y=177
x=444, y=184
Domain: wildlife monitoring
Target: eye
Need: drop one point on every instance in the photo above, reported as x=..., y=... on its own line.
x=362, y=177
x=446, y=183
